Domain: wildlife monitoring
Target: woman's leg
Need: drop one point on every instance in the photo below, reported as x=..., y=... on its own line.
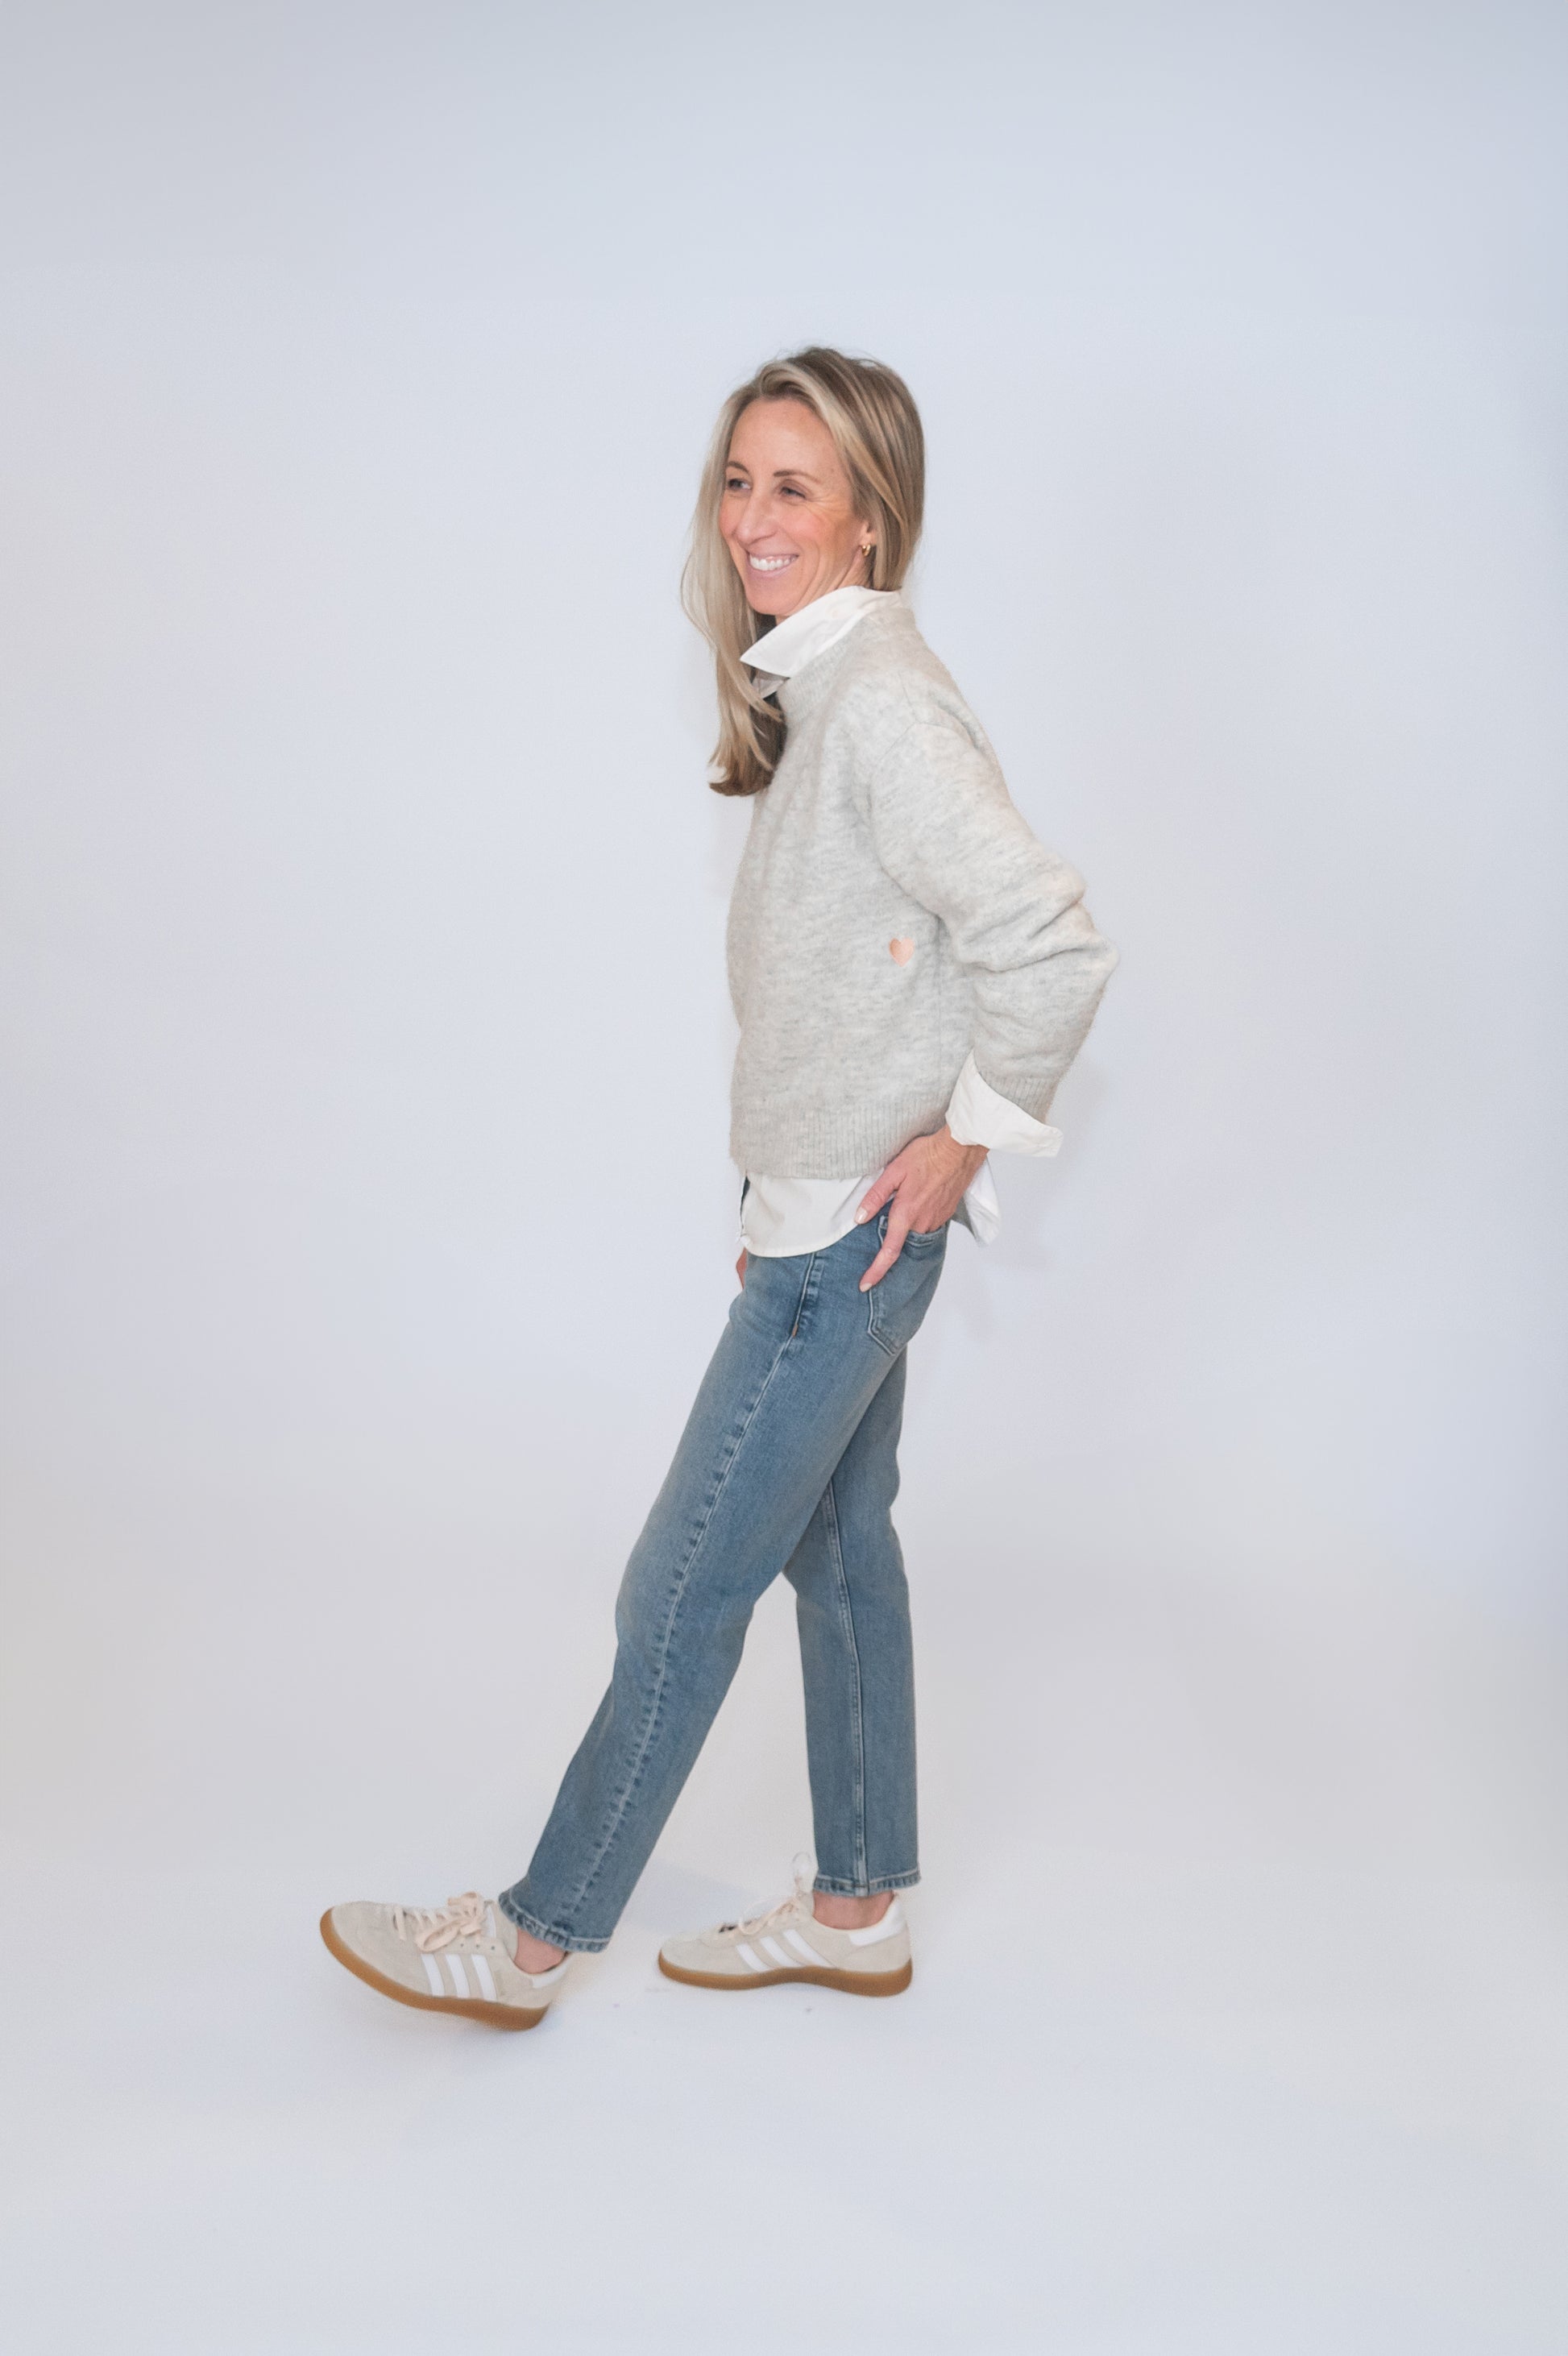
x=851, y=1606
x=803, y=1356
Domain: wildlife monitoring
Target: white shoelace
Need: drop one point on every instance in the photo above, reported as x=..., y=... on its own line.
x=805, y=1874
x=434, y=1927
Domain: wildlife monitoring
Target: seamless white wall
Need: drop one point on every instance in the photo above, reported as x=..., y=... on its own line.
x=366, y=1215
x=362, y=876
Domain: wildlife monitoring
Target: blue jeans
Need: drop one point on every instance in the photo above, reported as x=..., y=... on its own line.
x=788, y=1463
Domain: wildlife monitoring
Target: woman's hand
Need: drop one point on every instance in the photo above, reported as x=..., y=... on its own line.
x=740, y=1270
x=924, y=1186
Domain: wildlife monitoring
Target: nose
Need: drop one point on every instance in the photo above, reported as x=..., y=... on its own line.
x=754, y=521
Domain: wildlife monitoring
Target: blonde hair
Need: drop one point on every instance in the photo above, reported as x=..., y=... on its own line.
x=875, y=429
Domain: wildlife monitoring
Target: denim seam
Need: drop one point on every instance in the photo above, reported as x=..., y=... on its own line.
x=871, y=1889
x=549, y=1935
x=678, y=1597
x=846, y=1616
x=873, y=1326
x=916, y=1242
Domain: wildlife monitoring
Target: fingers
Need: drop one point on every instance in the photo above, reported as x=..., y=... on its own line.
x=740, y=1270
x=881, y=1190
x=898, y=1229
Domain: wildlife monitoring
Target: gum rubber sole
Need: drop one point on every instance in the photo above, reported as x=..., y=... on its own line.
x=851, y=1983
x=494, y=2016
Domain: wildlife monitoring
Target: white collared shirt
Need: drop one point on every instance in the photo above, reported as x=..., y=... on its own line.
x=780, y=1217
x=791, y=645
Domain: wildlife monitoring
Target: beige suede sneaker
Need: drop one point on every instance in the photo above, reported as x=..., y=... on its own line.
x=460, y=1957
x=788, y=1943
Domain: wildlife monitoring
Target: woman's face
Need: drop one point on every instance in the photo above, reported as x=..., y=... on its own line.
x=786, y=514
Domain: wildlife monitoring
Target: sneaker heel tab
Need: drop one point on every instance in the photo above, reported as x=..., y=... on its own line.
x=886, y=1926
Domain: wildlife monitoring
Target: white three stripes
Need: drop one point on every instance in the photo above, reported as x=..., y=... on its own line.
x=482, y=1973
x=754, y=1961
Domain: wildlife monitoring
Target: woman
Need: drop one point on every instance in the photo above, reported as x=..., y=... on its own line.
x=912, y=974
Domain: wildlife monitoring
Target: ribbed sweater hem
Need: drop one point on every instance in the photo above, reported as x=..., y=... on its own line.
x=850, y=1143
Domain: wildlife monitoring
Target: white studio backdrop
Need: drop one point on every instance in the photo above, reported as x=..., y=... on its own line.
x=367, y=1222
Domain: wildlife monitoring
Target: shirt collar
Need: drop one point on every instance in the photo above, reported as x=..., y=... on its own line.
x=792, y=644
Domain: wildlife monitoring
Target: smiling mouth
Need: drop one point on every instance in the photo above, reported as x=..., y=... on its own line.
x=768, y=564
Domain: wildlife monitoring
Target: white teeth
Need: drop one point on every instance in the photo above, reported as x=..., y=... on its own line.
x=768, y=564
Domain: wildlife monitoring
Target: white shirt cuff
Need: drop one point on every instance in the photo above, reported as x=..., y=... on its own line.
x=978, y=1115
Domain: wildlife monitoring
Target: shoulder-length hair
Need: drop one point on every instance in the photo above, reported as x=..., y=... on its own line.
x=876, y=432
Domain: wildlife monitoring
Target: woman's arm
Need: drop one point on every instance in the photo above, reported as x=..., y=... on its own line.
x=948, y=834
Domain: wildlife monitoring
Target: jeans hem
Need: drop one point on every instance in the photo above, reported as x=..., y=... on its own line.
x=549, y=1932
x=873, y=1888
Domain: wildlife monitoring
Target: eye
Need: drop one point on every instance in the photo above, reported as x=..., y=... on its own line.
x=736, y=483
x=791, y=491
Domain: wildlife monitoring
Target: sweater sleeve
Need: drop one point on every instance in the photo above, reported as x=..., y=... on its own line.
x=947, y=832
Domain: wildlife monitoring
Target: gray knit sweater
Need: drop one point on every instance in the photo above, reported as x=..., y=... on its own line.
x=893, y=913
